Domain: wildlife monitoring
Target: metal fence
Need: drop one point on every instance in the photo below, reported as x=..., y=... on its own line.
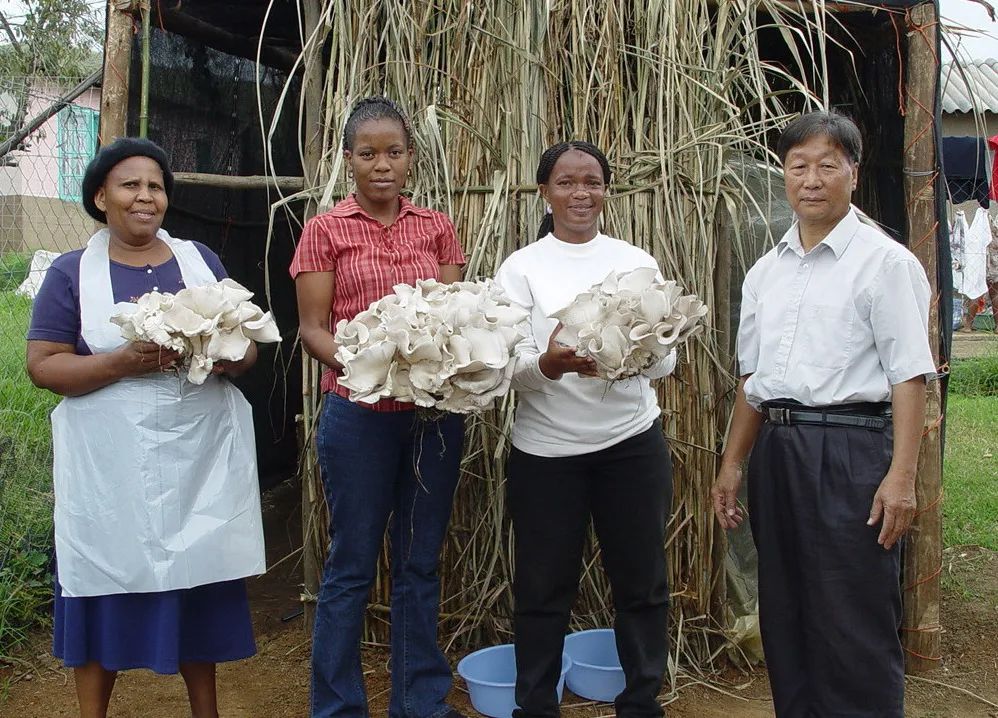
x=40, y=217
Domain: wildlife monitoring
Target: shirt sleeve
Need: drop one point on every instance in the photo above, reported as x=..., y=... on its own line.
x=315, y=252
x=212, y=260
x=748, y=327
x=899, y=315
x=448, y=248
x=55, y=311
x=527, y=376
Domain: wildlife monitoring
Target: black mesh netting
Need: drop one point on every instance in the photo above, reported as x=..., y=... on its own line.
x=203, y=110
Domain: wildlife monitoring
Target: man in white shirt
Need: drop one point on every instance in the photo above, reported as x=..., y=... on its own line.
x=833, y=354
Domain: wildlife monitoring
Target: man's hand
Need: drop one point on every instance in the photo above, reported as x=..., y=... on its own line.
x=724, y=496
x=895, y=503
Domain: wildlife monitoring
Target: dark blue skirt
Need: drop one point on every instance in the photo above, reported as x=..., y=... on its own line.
x=158, y=631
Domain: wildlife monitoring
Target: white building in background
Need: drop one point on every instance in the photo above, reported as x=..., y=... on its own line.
x=970, y=109
x=970, y=98
x=40, y=185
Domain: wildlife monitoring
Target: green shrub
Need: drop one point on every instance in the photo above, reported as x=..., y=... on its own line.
x=974, y=377
x=13, y=269
x=25, y=482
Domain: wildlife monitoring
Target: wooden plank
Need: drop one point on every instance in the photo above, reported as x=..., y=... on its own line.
x=923, y=553
x=203, y=179
x=117, y=62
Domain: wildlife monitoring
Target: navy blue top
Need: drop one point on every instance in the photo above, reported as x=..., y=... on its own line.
x=55, y=313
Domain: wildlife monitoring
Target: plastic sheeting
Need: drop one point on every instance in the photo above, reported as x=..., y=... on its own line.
x=40, y=263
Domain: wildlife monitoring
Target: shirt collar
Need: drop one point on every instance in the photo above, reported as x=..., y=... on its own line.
x=349, y=206
x=837, y=240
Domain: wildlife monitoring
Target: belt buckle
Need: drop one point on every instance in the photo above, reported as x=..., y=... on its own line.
x=779, y=415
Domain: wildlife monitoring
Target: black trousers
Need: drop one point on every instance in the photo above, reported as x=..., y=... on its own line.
x=829, y=594
x=627, y=491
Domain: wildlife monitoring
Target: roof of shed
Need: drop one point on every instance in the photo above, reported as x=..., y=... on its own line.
x=970, y=85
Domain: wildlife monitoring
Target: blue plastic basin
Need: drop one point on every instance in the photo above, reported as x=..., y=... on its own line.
x=491, y=677
x=595, y=673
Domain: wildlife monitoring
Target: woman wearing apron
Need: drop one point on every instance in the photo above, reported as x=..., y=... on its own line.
x=157, y=506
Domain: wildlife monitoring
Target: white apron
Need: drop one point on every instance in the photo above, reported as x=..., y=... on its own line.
x=155, y=478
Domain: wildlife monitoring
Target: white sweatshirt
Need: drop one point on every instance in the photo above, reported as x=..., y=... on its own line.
x=575, y=414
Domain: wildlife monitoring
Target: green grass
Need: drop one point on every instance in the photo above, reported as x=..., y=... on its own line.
x=25, y=481
x=13, y=269
x=975, y=377
x=970, y=467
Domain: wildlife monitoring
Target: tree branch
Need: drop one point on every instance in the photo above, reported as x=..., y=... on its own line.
x=13, y=38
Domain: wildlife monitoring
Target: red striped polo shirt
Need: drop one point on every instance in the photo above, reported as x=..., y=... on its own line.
x=368, y=259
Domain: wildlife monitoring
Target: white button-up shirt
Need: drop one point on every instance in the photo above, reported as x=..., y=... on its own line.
x=839, y=324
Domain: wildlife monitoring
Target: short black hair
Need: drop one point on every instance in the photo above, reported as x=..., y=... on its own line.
x=374, y=107
x=110, y=155
x=841, y=130
x=546, y=165
x=552, y=153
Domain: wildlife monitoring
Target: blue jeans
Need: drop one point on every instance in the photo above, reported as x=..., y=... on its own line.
x=368, y=462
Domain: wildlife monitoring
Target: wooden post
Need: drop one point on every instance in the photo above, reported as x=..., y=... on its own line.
x=117, y=63
x=923, y=553
x=204, y=179
x=146, y=15
x=313, y=546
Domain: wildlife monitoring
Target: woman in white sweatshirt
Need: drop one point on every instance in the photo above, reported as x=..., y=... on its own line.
x=583, y=449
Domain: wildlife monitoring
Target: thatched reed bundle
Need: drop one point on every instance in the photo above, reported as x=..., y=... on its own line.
x=674, y=92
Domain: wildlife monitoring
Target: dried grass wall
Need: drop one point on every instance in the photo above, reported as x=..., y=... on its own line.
x=673, y=92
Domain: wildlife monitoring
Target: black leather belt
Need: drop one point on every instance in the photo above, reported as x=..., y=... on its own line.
x=786, y=416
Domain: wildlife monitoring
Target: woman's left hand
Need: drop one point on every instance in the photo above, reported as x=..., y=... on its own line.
x=236, y=368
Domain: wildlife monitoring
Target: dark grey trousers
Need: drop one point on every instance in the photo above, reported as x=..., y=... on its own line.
x=829, y=594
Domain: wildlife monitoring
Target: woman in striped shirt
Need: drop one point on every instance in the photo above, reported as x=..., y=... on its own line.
x=377, y=461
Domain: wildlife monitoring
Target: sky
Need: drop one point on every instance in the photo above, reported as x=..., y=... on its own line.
x=970, y=14
x=954, y=12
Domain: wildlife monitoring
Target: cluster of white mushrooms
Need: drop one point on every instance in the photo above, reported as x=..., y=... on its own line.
x=206, y=324
x=629, y=321
x=442, y=346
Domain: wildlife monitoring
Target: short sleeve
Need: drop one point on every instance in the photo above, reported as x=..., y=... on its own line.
x=212, y=260
x=899, y=316
x=315, y=252
x=748, y=327
x=448, y=248
x=55, y=311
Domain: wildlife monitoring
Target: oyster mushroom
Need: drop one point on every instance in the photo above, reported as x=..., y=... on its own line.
x=453, y=345
x=206, y=324
x=629, y=321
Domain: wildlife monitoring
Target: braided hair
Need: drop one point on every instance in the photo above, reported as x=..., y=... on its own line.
x=374, y=107
x=546, y=166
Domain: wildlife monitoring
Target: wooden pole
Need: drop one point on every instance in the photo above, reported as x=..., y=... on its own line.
x=146, y=61
x=313, y=547
x=923, y=553
x=203, y=179
x=117, y=62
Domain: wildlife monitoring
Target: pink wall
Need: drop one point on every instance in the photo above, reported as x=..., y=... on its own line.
x=39, y=165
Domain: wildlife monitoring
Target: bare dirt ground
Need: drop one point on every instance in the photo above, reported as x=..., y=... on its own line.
x=274, y=684
x=967, y=345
